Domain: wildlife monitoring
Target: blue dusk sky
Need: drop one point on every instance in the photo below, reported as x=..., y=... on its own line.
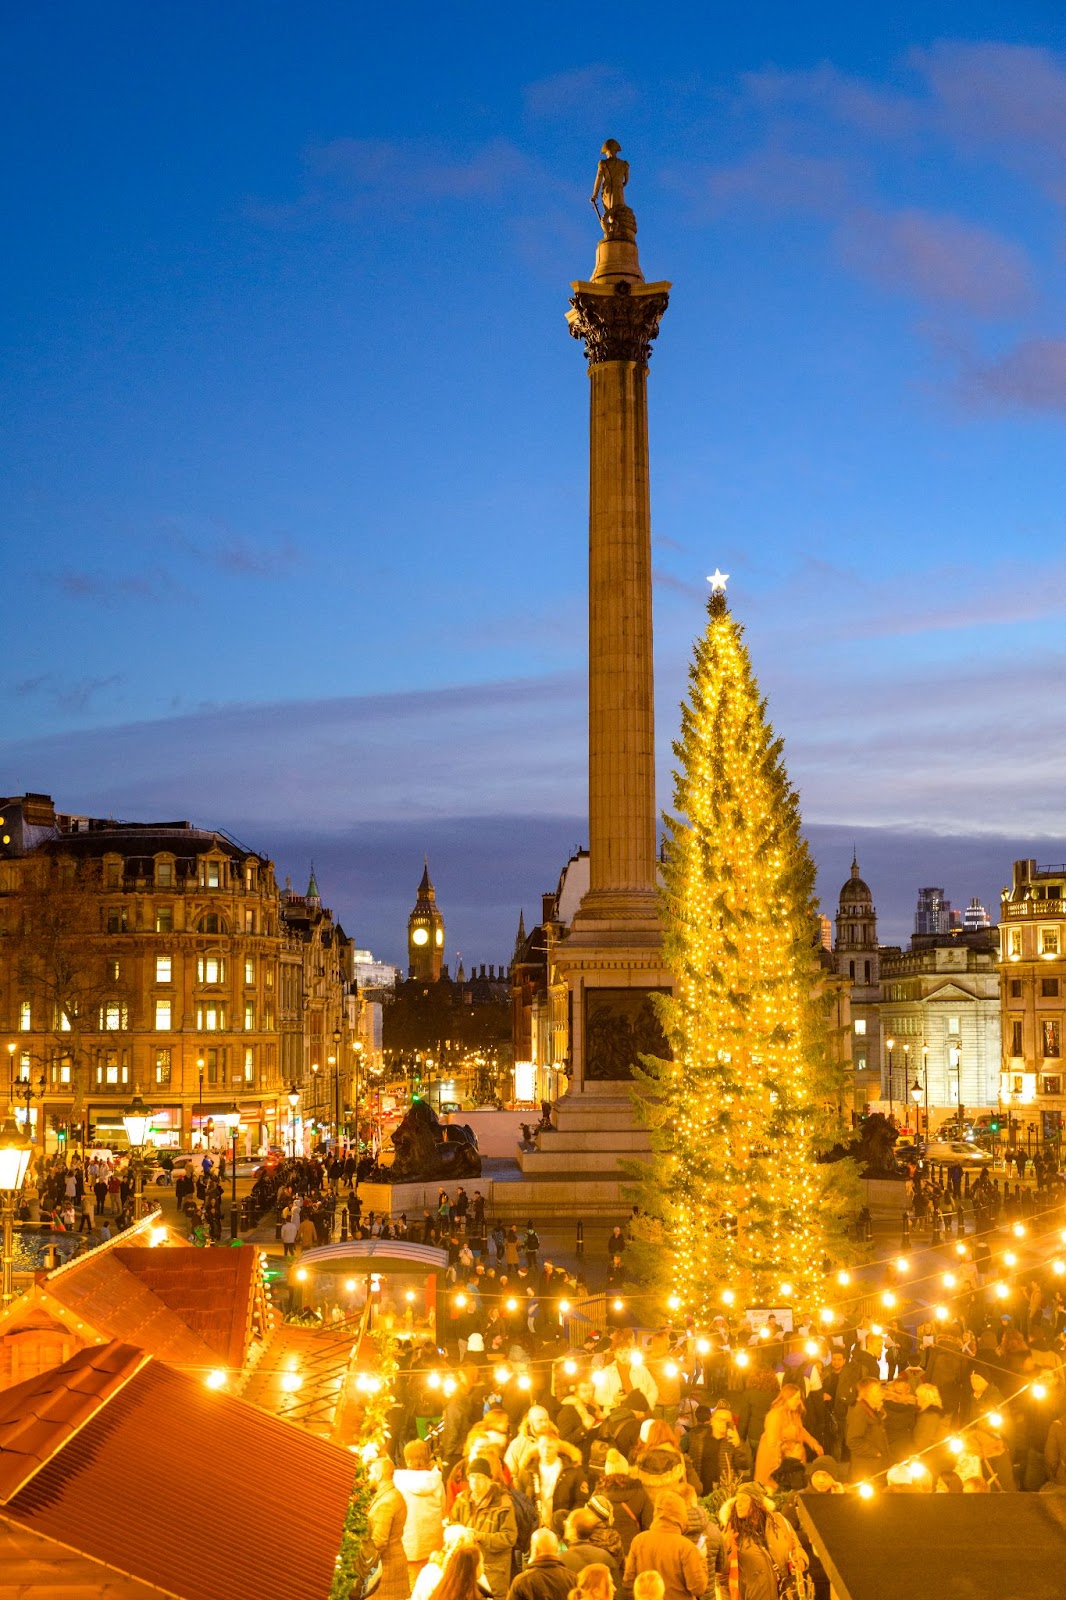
x=293, y=466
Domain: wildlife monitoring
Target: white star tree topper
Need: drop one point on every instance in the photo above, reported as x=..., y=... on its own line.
x=718, y=581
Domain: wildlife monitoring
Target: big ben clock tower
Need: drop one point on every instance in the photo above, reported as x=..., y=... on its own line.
x=425, y=934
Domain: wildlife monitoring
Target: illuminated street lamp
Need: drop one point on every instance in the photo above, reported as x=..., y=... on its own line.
x=15, y=1154
x=294, y=1100
x=137, y=1120
x=233, y=1123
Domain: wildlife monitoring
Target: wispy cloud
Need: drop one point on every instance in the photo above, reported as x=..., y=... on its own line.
x=939, y=259
x=348, y=177
x=74, y=695
x=1030, y=377
x=593, y=90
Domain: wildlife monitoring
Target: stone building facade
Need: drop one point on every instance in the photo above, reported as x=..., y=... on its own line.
x=152, y=958
x=857, y=959
x=1032, y=962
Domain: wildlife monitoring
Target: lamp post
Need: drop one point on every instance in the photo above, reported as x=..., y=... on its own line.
x=15, y=1154
x=890, y=1045
x=314, y=1093
x=335, y=1062
x=356, y=1076
x=925, y=1085
x=294, y=1100
x=137, y=1119
x=955, y=1059
x=200, y=1070
x=233, y=1123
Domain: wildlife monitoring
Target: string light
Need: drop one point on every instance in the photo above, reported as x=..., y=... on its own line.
x=866, y=1491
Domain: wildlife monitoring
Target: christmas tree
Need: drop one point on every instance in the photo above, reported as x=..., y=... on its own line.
x=750, y=1095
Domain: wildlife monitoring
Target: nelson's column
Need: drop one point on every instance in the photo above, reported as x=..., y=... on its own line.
x=611, y=957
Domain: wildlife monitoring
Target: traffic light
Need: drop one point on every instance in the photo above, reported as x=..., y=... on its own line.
x=994, y=1125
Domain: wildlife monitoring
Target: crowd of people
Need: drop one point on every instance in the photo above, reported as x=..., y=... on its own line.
x=666, y=1456
x=91, y=1196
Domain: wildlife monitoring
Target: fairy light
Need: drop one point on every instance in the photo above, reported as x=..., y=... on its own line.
x=674, y=1302
x=956, y=1445
x=1009, y=1258
x=941, y=1313
x=216, y=1378
x=301, y=1274
x=902, y=1264
x=525, y=1381
x=618, y=1305
x=460, y=1302
x=827, y=1315
x=502, y=1375
x=349, y=1285
x=843, y=1278
x=434, y=1380
x=756, y=1104
x=949, y=1280
x=1058, y=1267
x=866, y=1491
x=671, y=1369
x=564, y=1307
x=888, y=1300
x=995, y=1420
x=1000, y=1291
x=1038, y=1391
x=410, y=1297
x=703, y=1347
x=636, y=1358
x=741, y=1358
x=1018, y=1230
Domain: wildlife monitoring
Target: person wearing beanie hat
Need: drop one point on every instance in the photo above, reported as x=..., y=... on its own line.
x=631, y=1506
x=487, y=1510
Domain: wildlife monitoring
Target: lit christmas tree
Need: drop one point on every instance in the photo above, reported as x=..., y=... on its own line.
x=735, y=1194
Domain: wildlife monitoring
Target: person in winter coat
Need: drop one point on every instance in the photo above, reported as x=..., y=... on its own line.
x=783, y=1433
x=900, y=1415
x=579, y=1418
x=931, y=1429
x=715, y=1448
x=422, y=1487
x=547, y=1577
x=631, y=1505
x=486, y=1509
x=386, y=1516
x=665, y=1549
x=758, y=1546
x=604, y=1535
x=865, y=1433
x=658, y=1462
x=758, y=1395
x=581, y=1552
x=555, y=1480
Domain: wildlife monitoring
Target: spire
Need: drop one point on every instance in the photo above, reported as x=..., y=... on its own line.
x=520, y=936
x=854, y=862
x=425, y=887
x=312, y=887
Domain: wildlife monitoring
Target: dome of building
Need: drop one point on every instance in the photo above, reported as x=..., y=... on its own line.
x=856, y=891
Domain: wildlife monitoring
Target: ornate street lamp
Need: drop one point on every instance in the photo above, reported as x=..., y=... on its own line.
x=233, y=1123
x=137, y=1120
x=15, y=1152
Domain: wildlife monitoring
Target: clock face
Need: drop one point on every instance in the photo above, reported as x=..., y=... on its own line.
x=420, y=936
x=440, y=935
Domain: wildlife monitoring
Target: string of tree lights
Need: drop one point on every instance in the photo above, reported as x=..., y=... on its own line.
x=752, y=1093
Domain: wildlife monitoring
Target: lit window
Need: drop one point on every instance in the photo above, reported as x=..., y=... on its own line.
x=249, y=922
x=210, y=969
x=249, y=1066
x=64, y=1070
x=117, y=920
x=162, y=1066
x=114, y=1017
x=24, y=1068
x=164, y=969
x=249, y=875
x=953, y=1026
x=164, y=874
x=249, y=970
x=211, y=874
x=162, y=1016
x=209, y=1019
x=114, y=971
x=1016, y=1037
x=60, y=1019
x=1051, y=1084
x=164, y=919
x=249, y=1018
x=1049, y=941
x=25, y=1017
x=859, y=1026
x=1015, y=941
x=1052, y=1033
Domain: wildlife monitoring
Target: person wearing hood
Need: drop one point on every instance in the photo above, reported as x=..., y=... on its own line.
x=554, y=1479
x=665, y=1549
x=631, y=1505
x=658, y=1462
x=419, y=1481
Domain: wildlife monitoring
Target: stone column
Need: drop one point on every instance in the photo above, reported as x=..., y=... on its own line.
x=618, y=317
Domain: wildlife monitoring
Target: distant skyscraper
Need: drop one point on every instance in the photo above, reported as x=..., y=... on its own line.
x=933, y=915
x=975, y=916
